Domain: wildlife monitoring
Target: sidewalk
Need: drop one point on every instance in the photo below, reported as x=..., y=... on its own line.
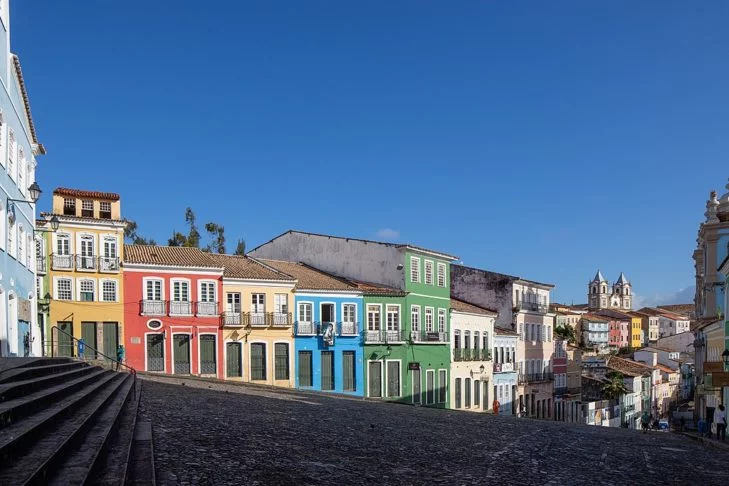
x=706, y=441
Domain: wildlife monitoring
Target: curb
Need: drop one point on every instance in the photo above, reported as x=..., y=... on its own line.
x=706, y=441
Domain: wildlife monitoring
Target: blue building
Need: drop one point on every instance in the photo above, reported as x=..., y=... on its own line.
x=20, y=334
x=328, y=343
x=505, y=370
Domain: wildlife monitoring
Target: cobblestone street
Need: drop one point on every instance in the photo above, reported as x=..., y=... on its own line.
x=248, y=435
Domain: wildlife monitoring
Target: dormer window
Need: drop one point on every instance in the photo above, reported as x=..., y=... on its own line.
x=87, y=208
x=69, y=206
x=105, y=210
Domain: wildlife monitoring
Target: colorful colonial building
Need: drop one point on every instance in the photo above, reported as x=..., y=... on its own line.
x=505, y=372
x=84, y=279
x=172, y=310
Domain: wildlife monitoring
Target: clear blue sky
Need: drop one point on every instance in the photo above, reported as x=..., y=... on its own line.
x=542, y=139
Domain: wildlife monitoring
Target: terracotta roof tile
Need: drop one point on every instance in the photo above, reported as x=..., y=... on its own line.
x=628, y=366
x=238, y=266
x=462, y=306
x=66, y=217
x=309, y=278
x=172, y=256
x=593, y=317
x=80, y=193
x=504, y=332
x=368, y=288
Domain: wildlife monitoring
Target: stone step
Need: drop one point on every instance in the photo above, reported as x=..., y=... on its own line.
x=83, y=462
x=37, y=465
x=18, y=437
x=17, y=389
x=13, y=410
x=141, y=462
x=114, y=465
x=25, y=373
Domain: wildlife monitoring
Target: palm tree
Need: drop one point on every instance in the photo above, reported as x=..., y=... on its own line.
x=614, y=387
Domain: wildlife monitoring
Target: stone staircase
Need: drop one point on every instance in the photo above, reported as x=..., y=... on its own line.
x=69, y=422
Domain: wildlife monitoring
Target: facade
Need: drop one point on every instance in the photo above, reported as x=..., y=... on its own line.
x=257, y=322
x=20, y=332
x=172, y=310
x=620, y=333
x=328, y=348
x=406, y=293
x=670, y=324
x=505, y=371
x=602, y=295
x=572, y=401
x=523, y=307
x=472, y=337
x=595, y=331
x=648, y=323
x=82, y=261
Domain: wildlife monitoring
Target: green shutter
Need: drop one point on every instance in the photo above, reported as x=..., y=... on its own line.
x=233, y=360
x=467, y=388
x=155, y=352
x=442, y=386
x=327, y=370
x=281, y=358
x=208, y=364
x=374, y=373
x=416, y=386
x=88, y=334
x=430, y=387
x=258, y=361
x=181, y=354
x=458, y=393
x=65, y=342
x=348, y=371
x=476, y=393
x=393, y=379
x=110, y=331
x=305, y=377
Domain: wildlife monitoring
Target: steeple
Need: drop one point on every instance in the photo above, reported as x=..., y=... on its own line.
x=622, y=280
x=599, y=277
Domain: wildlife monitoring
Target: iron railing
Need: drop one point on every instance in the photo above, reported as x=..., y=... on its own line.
x=40, y=264
x=256, y=319
x=61, y=262
x=153, y=307
x=108, y=264
x=383, y=336
x=85, y=262
x=207, y=308
x=535, y=377
x=180, y=307
x=423, y=336
x=119, y=363
x=232, y=319
x=348, y=328
x=304, y=328
x=533, y=307
x=277, y=319
x=471, y=354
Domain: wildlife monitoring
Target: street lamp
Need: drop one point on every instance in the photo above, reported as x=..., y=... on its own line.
x=34, y=191
x=482, y=368
x=725, y=357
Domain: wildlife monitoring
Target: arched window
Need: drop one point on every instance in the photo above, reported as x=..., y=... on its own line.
x=594, y=289
x=467, y=339
x=476, y=341
x=457, y=339
x=604, y=289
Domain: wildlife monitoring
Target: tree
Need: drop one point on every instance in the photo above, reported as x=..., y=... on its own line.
x=566, y=332
x=217, y=233
x=240, y=248
x=193, y=237
x=131, y=235
x=614, y=387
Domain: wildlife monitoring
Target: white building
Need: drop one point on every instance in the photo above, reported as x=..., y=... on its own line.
x=602, y=295
x=472, y=331
x=505, y=372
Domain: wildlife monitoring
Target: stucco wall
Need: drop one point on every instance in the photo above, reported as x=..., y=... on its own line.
x=486, y=289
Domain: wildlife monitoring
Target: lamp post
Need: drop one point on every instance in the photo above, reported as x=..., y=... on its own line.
x=725, y=358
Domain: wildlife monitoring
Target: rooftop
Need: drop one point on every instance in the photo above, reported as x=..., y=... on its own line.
x=612, y=313
x=504, y=332
x=462, y=306
x=172, y=256
x=309, y=278
x=629, y=366
x=510, y=277
x=595, y=317
x=80, y=193
x=243, y=267
x=368, y=288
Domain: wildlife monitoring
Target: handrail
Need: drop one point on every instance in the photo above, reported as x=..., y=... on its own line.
x=98, y=353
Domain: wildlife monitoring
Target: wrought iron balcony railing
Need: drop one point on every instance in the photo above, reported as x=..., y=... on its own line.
x=61, y=262
x=533, y=307
x=381, y=336
x=256, y=319
x=207, y=308
x=180, y=308
x=422, y=336
x=348, y=329
x=232, y=319
x=471, y=354
x=86, y=263
x=279, y=319
x=154, y=308
x=108, y=264
x=535, y=377
x=304, y=328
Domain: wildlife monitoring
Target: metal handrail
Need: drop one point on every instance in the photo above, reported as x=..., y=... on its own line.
x=98, y=353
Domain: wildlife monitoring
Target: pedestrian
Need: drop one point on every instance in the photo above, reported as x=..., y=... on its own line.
x=496, y=406
x=81, y=348
x=645, y=421
x=119, y=356
x=720, y=419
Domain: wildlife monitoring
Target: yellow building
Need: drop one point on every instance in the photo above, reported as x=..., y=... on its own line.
x=84, y=274
x=257, y=322
x=636, y=332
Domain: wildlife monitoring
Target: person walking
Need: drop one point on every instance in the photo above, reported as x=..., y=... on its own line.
x=720, y=420
x=119, y=356
x=496, y=406
x=645, y=422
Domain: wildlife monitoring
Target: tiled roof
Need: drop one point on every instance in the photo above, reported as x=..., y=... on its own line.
x=237, y=266
x=504, y=332
x=672, y=315
x=666, y=369
x=594, y=317
x=83, y=219
x=26, y=103
x=368, y=288
x=461, y=306
x=172, y=256
x=685, y=309
x=80, y=193
x=628, y=366
x=309, y=278
x=613, y=314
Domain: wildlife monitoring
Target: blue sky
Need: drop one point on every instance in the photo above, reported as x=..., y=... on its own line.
x=541, y=139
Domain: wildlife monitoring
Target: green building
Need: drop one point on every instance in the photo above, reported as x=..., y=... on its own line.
x=407, y=309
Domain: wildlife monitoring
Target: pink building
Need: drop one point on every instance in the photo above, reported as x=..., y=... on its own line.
x=619, y=328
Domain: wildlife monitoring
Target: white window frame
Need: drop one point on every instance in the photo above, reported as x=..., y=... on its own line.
x=21, y=171
x=173, y=281
x=20, y=244
x=146, y=280
x=415, y=269
x=102, y=297
x=56, y=281
x=78, y=289
x=102, y=210
x=3, y=145
x=354, y=312
x=399, y=379
x=397, y=314
x=3, y=225
x=12, y=157
x=415, y=318
x=277, y=305
x=442, y=273
x=442, y=326
x=200, y=284
x=63, y=237
x=379, y=314
x=428, y=264
x=429, y=327
x=12, y=238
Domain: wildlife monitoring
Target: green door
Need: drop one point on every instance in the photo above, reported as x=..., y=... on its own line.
x=111, y=340
x=327, y=370
x=258, y=361
x=207, y=355
x=305, y=375
x=181, y=354
x=88, y=334
x=374, y=373
x=348, y=371
x=234, y=358
x=155, y=352
x=65, y=341
x=429, y=387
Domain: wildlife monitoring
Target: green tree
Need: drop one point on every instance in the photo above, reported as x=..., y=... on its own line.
x=567, y=333
x=240, y=248
x=132, y=236
x=614, y=387
x=217, y=234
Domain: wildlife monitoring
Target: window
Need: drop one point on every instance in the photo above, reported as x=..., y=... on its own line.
x=306, y=377
x=281, y=357
x=428, y=272
x=281, y=303
x=153, y=290
x=12, y=147
x=21, y=244
x=441, y=320
x=521, y=331
x=232, y=302
x=476, y=393
x=349, y=312
x=458, y=393
x=442, y=386
x=181, y=291
x=207, y=291
x=373, y=317
x=108, y=291
x=2, y=140
x=258, y=303
x=305, y=310
x=87, y=252
x=258, y=361
x=429, y=319
x=69, y=206
x=105, y=210
x=86, y=290
x=12, y=237
x=64, y=289
x=415, y=269
x=63, y=244
x=441, y=275
x=429, y=386
x=393, y=378
x=110, y=252
x=21, y=170
x=393, y=317
x=476, y=339
x=485, y=341
x=467, y=389
x=87, y=208
x=3, y=241
x=415, y=318
x=457, y=339
x=467, y=339
x=28, y=249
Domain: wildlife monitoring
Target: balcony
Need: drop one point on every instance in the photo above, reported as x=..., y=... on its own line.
x=207, y=308
x=535, y=377
x=422, y=336
x=471, y=354
x=257, y=319
x=153, y=308
x=109, y=264
x=348, y=329
x=85, y=263
x=307, y=328
x=563, y=390
x=61, y=262
x=40, y=264
x=232, y=319
x=381, y=337
x=180, y=308
x=533, y=307
x=279, y=319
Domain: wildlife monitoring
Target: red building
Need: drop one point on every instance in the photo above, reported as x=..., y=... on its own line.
x=172, y=310
x=619, y=328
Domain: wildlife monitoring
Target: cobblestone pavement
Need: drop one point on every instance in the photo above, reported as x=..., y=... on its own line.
x=247, y=435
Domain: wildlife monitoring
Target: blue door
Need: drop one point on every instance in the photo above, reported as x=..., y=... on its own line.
x=24, y=338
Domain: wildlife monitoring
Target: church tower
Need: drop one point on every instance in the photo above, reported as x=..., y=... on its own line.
x=622, y=295
x=597, y=292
